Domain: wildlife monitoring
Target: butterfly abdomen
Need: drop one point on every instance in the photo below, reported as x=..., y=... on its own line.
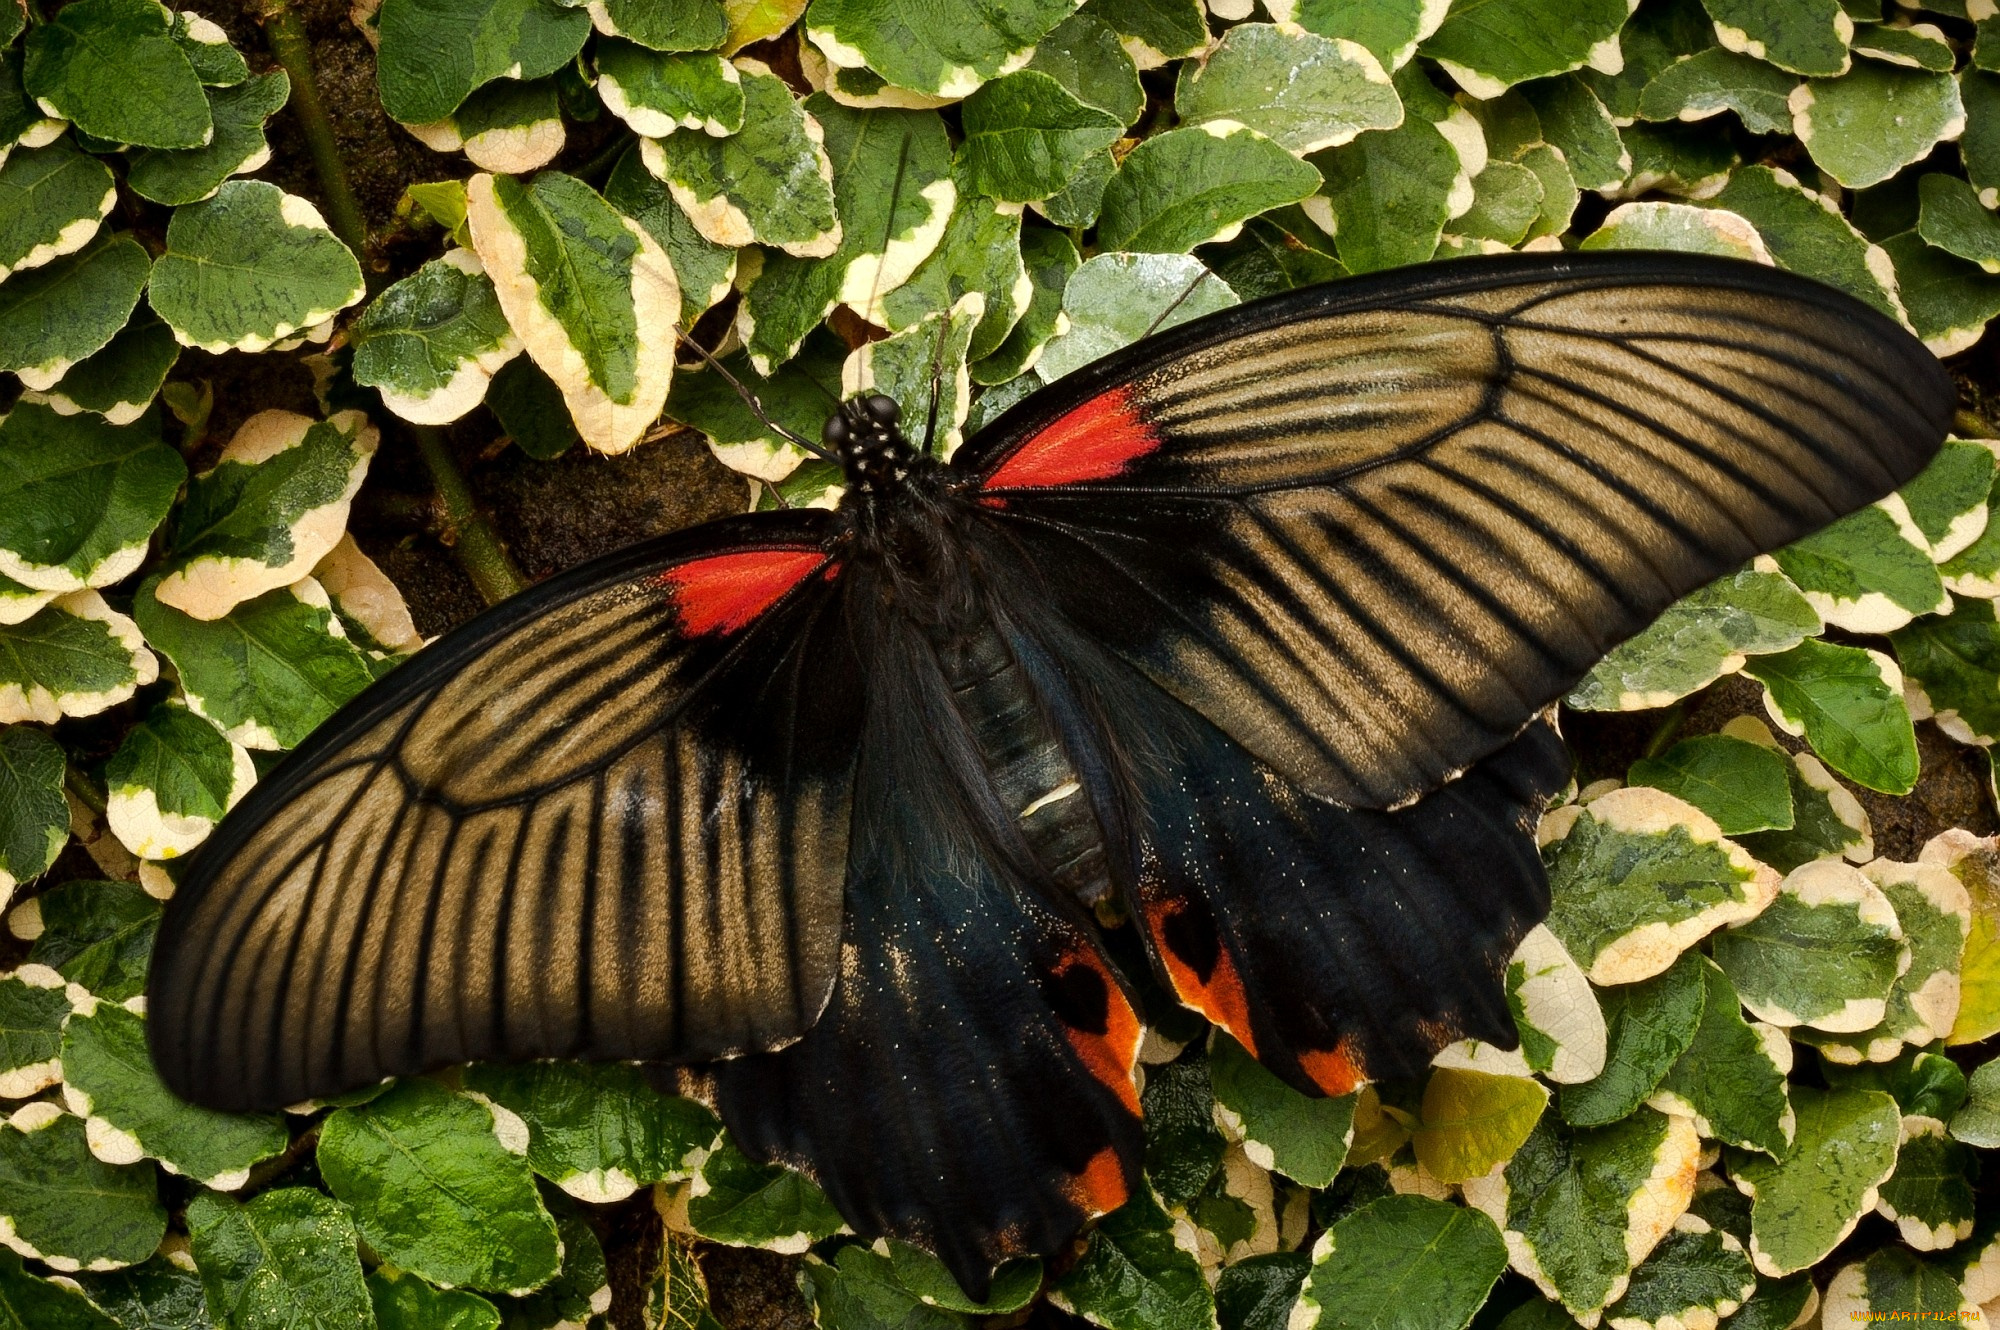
x=1024, y=758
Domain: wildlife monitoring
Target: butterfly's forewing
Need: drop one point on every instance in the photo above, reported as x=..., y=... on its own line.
x=607, y=819
x=970, y=1086
x=1370, y=529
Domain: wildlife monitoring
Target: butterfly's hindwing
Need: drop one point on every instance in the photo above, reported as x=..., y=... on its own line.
x=1371, y=529
x=609, y=819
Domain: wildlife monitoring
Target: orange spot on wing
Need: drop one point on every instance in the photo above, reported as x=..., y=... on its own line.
x=723, y=593
x=1111, y=1056
x=1093, y=442
x=1336, y=1070
x=1220, y=996
x=1101, y=1188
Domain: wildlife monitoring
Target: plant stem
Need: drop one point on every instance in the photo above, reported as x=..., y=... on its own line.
x=1973, y=425
x=470, y=537
x=287, y=38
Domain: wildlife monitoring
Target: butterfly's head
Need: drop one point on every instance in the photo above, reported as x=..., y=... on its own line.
x=871, y=447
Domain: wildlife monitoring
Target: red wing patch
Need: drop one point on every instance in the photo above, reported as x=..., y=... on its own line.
x=1107, y=1039
x=1219, y=995
x=1336, y=1070
x=723, y=593
x=1101, y=1187
x=1093, y=442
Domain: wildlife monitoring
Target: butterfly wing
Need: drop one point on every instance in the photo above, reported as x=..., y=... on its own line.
x=1370, y=529
x=970, y=1087
x=606, y=819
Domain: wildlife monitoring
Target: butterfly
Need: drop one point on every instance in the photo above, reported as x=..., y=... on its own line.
x=1248, y=634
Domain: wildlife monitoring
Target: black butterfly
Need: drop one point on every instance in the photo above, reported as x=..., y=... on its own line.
x=1246, y=630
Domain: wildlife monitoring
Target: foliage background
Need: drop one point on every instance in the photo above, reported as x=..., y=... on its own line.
x=1753, y=1086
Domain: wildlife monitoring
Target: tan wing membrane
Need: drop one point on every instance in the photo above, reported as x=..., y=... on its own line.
x=1371, y=541
x=544, y=843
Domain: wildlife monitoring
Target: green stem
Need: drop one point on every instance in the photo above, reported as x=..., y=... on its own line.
x=1669, y=726
x=1973, y=425
x=471, y=538
x=286, y=35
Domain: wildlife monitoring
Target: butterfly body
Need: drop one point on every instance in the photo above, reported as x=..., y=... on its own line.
x=1243, y=634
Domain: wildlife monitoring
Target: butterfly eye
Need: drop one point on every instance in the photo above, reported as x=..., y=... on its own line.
x=883, y=408
x=834, y=432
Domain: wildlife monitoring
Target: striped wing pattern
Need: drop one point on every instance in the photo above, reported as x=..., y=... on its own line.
x=580, y=832
x=1372, y=529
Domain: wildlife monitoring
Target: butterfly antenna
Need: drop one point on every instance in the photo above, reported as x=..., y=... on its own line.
x=750, y=400
x=937, y=381
x=1152, y=327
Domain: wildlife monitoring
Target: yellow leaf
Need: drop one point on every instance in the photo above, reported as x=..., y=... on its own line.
x=1472, y=1120
x=1975, y=861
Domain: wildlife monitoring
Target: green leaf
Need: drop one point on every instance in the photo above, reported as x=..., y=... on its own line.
x=904, y=366
x=438, y=1184
x=1305, y=1139
x=29, y=1303
x=1506, y=201
x=1710, y=82
x=53, y=316
x=1802, y=1207
x=1637, y=876
x=249, y=267
x=771, y=184
x=1952, y=219
x=1923, y=1084
x=1825, y=952
x=64, y=1206
x=1827, y=821
x=111, y=68
x=1027, y=136
x=1050, y=258
x=507, y=125
x=238, y=148
x=1743, y=786
x=1892, y=1284
x=171, y=780
x=1806, y=236
x=1389, y=28
x=121, y=379
x=1134, y=1276
x=1948, y=299
x=1870, y=572
x=1679, y=226
x=663, y=25
x=946, y=51
x=1258, y=1293
x=33, y=1008
x=1435, y=1262
x=1919, y=46
x=677, y=1293
x=1778, y=1304
x=1935, y=914
x=1581, y=1208
x=581, y=1294
x=268, y=672
x=1561, y=1028
x=216, y=63
x=1473, y=1120
x=98, y=935
x=433, y=53
x=531, y=409
x=52, y=201
x=738, y=1201
x=706, y=271
x=270, y=509
x=1930, y=1196
x=1576, y=122
x=1155, y=31
x=1731, y=1077
x=1084, y=55
x=109, y=1080
x=796, y=397
x=34, y=817
x=1114, y=299
x=74, y=657
x=980, y=252
x=433, y=341
x=656, y=93
x=1848, y=703
x=867, y=1289
x=1979, y=147
x=1674, y=158
x=599, y=1131
x=1947, y=500
x=1698, y=640
x=1803, y=36
x=1189, y=186
x=1302, y=91
x=404, y=1302
x=1390, y=193
x=1696, y=1274
x=1487, y=48
x=285, y=1261
x=1184, y=1147
x=79, y=497
x=156, y=1294
x=1869, y=124
x=1978, y=1122
x=1649, y=1025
